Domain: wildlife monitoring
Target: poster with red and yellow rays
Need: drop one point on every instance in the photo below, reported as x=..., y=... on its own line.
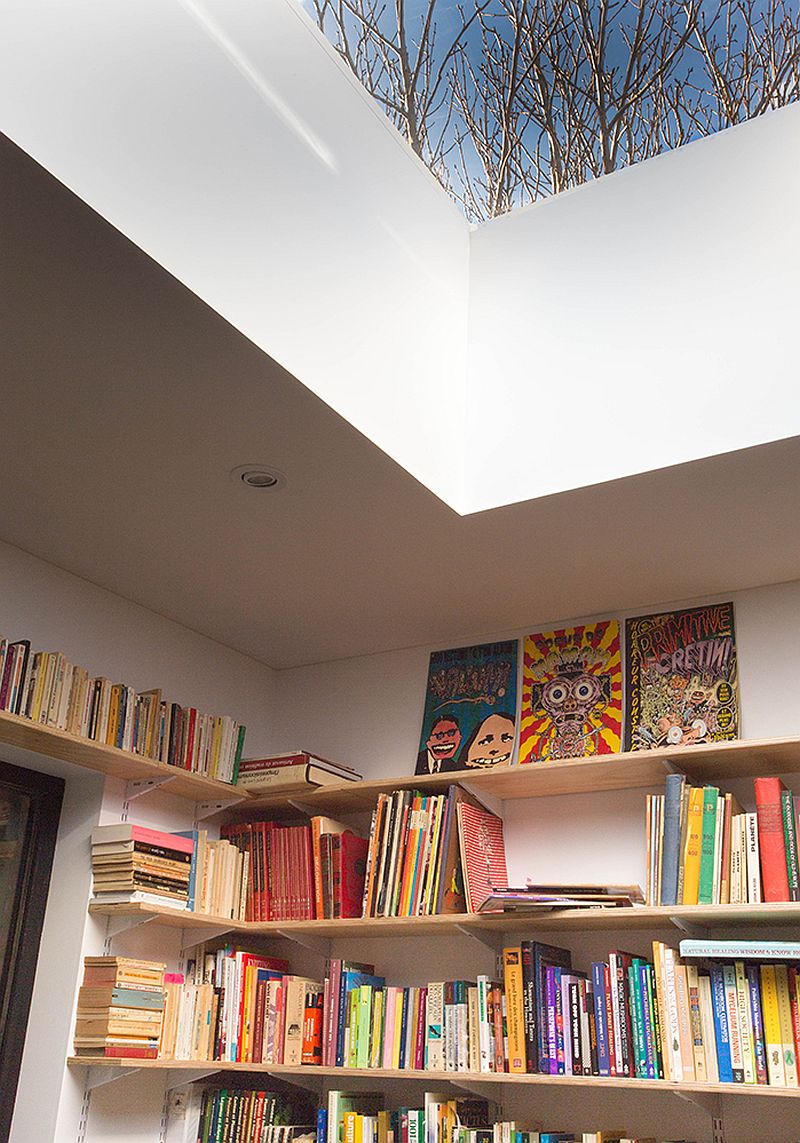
x=571, y=693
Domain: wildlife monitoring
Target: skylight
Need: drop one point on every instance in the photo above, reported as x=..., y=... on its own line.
x=510, y=101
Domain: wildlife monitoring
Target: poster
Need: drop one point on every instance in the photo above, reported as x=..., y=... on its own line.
x=682, y=678
x=470, y=709
x=571, y=693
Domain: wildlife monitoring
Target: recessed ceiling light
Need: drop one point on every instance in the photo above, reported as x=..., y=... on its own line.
x=258, y=476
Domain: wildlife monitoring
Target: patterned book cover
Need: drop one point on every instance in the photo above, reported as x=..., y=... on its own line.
x=571, y=693
x=681, y=678
x=470, y=708
x=483, y=853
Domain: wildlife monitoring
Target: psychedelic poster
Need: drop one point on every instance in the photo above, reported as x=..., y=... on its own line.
x=682, y=678
x=470, y=709
x=571, y=693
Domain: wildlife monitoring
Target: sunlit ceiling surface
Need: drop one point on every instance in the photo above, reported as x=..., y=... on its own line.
x=509, y=101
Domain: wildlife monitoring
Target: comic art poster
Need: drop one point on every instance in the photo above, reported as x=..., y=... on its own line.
x=470, y=708
x=571, y=693
x=681, y=678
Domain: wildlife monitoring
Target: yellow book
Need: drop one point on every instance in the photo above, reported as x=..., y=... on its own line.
x=113, y=715
x=691, y=853
x=350, y=1126
x=40, y=666
x=773, y=1041
x=658, y=971
x=512, y=979
x=787, y=1030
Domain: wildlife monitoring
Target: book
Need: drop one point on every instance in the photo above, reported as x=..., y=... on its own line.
x=295, y=776
x=483, y=855
x=681, y=678
x=571, y=693
x=469, y=720
x=771, y=842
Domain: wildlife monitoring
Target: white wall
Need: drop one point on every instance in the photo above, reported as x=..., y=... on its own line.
x=625, y=325
x=227, y=140
x=110, y=636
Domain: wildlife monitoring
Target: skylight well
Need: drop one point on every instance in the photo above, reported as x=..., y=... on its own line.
x=510, y=101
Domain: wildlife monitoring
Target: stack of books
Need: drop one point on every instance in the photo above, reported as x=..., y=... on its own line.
x=120, y=1008
x=48, y=689
x=291, y=772
x=134, y=864
x=703, y=849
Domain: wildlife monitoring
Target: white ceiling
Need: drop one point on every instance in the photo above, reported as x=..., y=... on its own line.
x=126, y=401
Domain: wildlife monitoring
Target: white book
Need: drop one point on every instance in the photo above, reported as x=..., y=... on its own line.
x=753, y=860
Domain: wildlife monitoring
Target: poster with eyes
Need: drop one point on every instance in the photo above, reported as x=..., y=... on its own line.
x=681, y=678
x=470, y=708
x=571, y=693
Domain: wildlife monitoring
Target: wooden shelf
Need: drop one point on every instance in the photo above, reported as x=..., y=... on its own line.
x=490, y=1080
x=559, y=920
x=631, y=770
x=109, y=760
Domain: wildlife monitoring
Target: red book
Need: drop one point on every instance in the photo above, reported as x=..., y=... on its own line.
x=350, y=856
x=483, y=853
x=125, y=1051
x=774, y=875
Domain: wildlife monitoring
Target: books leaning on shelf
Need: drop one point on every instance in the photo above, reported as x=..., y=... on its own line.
x=292, y=771
x=703, y=849
x=252, y=1117
x=415, y=856
x=46, y=688
x=120, y=1008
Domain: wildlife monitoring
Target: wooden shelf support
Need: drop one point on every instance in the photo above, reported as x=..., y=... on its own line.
x=319, y=945
x=99, y=1076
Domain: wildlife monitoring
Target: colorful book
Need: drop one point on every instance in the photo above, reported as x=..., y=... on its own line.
x=483, y=853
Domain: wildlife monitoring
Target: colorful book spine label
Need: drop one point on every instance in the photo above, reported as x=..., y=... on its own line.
x=600, y=1018
x=721, y=1033
x=774, y=873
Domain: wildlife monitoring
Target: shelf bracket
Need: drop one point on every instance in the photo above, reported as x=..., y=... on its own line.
x=707, y=1101
x=699, y=932
x=302, y=807
x=117, y=925
x=671, y=768
x=491, y=941
x=192, y=937
x=320, y=945
x=203, y=810
x=491, y=803
x=479, y=1089
x=313, y=1083
x=177, y=1077
x=136, y=787
x=98, y=1077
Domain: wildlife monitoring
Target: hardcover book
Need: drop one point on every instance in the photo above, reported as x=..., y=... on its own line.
x=681, y=677
x=483, y=853
x=571, y=693
x=470, y=708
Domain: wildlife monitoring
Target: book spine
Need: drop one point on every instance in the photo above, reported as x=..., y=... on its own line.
x=705, y=891
x=529, y=1007
x=721, y=1031
x=790, y=844
x=601, y=1023
x=670, y=854
x=774, y=873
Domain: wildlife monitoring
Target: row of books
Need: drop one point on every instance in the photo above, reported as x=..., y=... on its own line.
x=431, y=853
x=702, y=848
x=132, y=864
x=48, y=689
x=240, y=1116
x=303, y=871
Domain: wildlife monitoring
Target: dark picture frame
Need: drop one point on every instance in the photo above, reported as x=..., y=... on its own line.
x=25, y=899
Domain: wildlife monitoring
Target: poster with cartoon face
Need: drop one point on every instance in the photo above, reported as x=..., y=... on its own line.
x=571, y=693
x=470, y=708
x=682, y=678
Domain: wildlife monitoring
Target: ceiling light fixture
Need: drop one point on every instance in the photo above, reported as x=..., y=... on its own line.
x=259, y=476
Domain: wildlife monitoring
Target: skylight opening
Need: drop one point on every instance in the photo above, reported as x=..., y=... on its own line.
x=511, y=101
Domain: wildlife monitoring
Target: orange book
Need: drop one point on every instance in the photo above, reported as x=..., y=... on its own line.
x=691, y=853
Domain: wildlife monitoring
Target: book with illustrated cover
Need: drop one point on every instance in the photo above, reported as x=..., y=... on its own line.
x=681, y=676
x=470, y=708
x=571, y=693
x=483, y=853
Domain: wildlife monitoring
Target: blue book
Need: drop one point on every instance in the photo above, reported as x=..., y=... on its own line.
x=322, y=1125
x=721, y=1032
x=670, y=854
x=600, y=1018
